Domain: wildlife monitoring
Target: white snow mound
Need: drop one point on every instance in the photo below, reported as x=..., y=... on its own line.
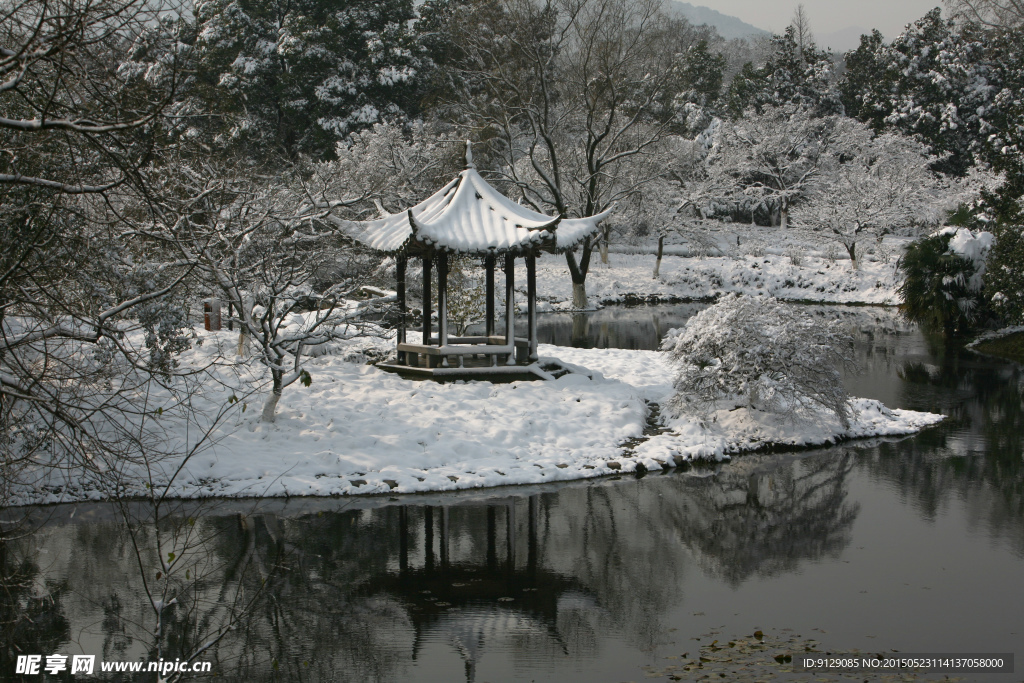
x=359, y=430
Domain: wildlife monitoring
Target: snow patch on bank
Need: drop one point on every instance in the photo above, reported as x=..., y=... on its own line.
x=359, y=430
x=728, y=431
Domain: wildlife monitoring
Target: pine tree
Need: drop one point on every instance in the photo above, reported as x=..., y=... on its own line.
x=299, y=76
x=1004, y=281
x=937, y=80
x=793, y=75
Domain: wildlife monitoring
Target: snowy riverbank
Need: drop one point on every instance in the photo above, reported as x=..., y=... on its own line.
x=358, y=430
x=630, y=277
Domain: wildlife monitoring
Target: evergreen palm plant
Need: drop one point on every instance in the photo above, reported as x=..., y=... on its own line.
x=936, y=289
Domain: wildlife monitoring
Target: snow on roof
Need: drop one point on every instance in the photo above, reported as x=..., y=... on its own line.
x=469, y=216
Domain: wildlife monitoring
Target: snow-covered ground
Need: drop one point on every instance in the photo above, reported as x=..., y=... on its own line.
x=630, y=276
x=359, y=430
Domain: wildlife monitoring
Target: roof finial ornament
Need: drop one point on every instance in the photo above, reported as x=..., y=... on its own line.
x=469, y=154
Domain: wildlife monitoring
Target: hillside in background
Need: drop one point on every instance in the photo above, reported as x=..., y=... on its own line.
x=728, y=27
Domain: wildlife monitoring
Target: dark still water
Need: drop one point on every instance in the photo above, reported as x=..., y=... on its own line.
x=914, y=545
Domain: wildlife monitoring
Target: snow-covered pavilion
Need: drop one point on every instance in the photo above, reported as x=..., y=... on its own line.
x=468, y=216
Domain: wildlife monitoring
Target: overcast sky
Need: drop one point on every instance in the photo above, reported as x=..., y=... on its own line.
x=827, y=16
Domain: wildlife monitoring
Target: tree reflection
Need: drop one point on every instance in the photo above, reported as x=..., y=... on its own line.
x=270, y=596
x=761, y=516
x=32, y=619
x=976, y=454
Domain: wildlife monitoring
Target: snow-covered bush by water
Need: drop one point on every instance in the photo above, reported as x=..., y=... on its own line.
x=761, y=353
x=942, y=279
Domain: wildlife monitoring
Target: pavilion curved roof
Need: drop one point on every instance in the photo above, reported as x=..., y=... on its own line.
x=469, y=216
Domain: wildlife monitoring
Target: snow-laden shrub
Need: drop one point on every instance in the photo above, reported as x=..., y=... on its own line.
x=942, y=280
x=758, y=352
x=756, y=248
x=1004, y=282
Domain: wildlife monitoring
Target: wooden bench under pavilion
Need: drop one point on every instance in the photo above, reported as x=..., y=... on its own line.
x=468, y=216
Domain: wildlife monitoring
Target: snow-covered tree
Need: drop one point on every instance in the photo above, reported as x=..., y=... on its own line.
x=467, y=299
x=955, y=86
x=392, y=165
x=701, y=75
x=775, y=158
x=761, y=353
x=872, y=187
x=295, y=77
x=264, y=247
x=1004, y=281
x=675, y=204
x=86, y=323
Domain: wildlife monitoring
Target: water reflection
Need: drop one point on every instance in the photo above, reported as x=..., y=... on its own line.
x=614, y=327
x=372, y=592
x=757, y=518
x=977, y=451
x=32, y=618
x=559, y=582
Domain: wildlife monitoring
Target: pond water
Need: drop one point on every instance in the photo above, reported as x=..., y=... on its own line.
x=914, y=545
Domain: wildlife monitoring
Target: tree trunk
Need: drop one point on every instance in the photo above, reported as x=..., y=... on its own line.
x=579, y=295
x=851, y=249
x=243, y=340
x=784, y=218
x=270, y=407
x=605, y=236
x=661, y=251
x=578, y=273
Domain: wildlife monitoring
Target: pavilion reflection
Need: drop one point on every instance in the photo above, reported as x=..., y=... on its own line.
x=463, y=581
x=479, y=593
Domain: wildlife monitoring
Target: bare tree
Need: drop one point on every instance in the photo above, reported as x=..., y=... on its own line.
x=568, y=99
x=802, y=28
x=86, y=324
x=265, y=246
x=1006, y=14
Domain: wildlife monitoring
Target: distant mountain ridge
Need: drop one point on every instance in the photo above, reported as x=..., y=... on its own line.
x=728, y=27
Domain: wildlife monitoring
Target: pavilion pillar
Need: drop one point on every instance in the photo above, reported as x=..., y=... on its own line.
x=531, y=299
x=510, y=307
x=510, y=535
x=403, y=539
x=428, y=537
x=442, y=303
x=400, y=264
x=489, y=317
x=444, y=536
x=426, y=299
